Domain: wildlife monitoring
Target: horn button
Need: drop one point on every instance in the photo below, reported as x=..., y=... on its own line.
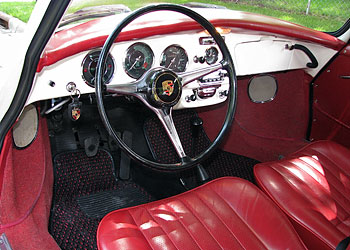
x=164, y=88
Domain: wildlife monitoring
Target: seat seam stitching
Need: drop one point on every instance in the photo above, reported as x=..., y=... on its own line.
x=330, y=184
x=161, y=228
x=205, y=226
x=342, y=222
x=292, y=185
x=321, y=185
x=331, y=171
x=220, y=219
x=179, y=219
x=333, y=162
x=345, y=210
x=240, y=218
x=149, y=243
x=290, y=214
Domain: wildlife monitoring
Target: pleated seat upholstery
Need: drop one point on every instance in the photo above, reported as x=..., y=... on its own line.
x=312, y=186
x=226, y=213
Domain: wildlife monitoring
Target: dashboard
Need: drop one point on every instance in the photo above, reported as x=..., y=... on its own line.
x=128, y=61
x=174, y=43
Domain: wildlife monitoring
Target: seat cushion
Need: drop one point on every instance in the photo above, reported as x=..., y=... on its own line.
x=227, y=213
x=312, y=186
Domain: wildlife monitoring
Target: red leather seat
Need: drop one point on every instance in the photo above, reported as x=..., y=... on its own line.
x=227, y=213
x=312, y=186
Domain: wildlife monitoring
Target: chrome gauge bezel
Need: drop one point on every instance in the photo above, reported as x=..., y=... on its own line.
x=177, y=46
x=88, y=55
x=138, y=75
x=213, y=58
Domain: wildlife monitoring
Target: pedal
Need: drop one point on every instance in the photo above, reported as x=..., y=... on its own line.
x=91, y=145
x=112, y=143
x=124, y=170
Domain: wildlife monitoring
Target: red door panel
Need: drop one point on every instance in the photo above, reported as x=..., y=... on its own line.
x=331, y=107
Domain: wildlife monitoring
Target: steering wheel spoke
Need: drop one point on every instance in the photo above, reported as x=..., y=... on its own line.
x=190, y=76
x=123, y=89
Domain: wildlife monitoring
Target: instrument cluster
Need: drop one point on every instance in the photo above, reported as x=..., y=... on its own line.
x=139, y=58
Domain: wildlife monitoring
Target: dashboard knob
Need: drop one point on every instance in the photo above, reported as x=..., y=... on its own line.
x=191, y=98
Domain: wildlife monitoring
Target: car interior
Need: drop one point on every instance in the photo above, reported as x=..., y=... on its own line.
x=182, y=127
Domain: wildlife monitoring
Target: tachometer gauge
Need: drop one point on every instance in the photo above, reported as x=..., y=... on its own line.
x=211, y=55
x=139, y=59
x=175, y=58
x=89, y=68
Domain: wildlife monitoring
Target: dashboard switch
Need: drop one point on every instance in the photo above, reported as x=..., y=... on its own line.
x=223, y=94
x=191, y=98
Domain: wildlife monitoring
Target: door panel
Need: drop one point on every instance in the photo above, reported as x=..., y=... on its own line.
x=331, y=106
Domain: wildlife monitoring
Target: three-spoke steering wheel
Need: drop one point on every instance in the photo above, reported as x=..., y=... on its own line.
x=150, y=90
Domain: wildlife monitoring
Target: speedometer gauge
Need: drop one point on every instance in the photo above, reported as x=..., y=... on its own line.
x=139, y=59
x=89, y=68
x=175, y=58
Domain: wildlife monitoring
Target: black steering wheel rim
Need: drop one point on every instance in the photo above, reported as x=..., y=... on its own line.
x=227, y=64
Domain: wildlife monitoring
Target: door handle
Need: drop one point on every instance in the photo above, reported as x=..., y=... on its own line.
x=345, y=77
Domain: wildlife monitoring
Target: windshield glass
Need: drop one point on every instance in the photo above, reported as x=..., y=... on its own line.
x=323, y=15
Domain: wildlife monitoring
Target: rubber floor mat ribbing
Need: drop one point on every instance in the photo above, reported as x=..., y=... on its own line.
x=84, y=191
x=219, y=164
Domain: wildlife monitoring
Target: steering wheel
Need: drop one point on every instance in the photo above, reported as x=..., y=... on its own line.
x=149, y=90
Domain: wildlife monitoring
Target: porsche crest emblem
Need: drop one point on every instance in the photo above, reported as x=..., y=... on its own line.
x=168, y=87
x=75, y=114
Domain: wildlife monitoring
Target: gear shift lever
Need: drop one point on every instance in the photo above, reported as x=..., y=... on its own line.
x=196, y=124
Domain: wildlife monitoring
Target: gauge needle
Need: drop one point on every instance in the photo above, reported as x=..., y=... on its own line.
x=172, y=61
x=136, y=61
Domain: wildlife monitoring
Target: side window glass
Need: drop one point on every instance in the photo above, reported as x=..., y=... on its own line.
x=322, y=15
x=15, y=15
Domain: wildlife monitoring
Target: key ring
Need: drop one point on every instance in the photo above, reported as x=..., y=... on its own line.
x=75, y=93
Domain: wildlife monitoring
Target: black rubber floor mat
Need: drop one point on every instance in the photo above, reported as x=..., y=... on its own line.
x=79, y=178
x=219, y=164
x=99, y=204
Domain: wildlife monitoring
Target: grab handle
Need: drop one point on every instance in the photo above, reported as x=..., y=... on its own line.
x=314, y=63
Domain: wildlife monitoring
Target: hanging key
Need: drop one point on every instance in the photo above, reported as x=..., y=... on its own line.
x=74, y=109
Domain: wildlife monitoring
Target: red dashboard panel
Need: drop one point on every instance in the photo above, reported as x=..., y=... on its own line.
x=93, y=34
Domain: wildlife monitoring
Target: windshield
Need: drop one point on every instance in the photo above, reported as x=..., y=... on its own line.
x=322, y=15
